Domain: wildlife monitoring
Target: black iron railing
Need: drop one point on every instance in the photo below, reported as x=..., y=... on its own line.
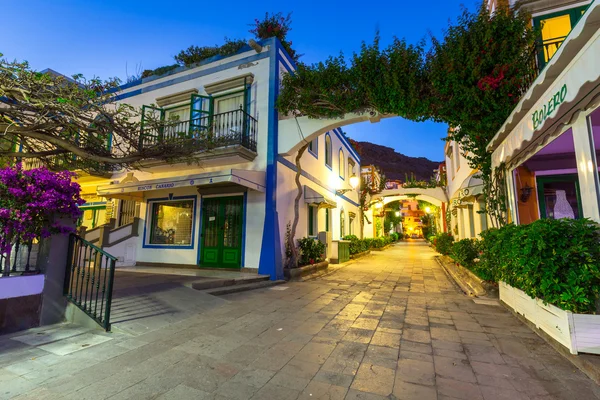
x=89, y=279
x=22, y=259
x=210, y=131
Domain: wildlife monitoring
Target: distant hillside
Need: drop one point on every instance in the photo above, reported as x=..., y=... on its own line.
x=394, y=165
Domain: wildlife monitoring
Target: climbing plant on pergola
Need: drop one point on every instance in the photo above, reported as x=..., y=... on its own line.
x=470, y=79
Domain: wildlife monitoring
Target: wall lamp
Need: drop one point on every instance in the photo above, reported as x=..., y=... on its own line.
x=353, y=183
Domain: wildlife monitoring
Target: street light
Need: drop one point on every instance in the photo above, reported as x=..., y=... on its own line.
x=397, y=213
x=353, y=182
x=428, y=210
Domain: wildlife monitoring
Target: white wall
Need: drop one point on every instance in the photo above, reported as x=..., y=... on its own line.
x=324, y=181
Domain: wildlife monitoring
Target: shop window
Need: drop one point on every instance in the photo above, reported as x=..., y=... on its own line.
x=171, y=222
x=547, y=185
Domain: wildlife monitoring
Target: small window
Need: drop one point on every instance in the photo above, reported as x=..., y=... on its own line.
x=342, y=165
x=351, y=166
x=312, y=221
x=171, y=222
x=313, y=147
x=351, y=224
x=327, y=220
x=328, y=150
x=342, y=224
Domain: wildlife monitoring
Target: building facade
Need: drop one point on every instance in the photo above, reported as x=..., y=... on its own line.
x=550, y=143
x=231, y=206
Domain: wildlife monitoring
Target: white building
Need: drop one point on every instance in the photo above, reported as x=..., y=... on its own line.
x=551, y=140
x=230, y=210
x=464, y=188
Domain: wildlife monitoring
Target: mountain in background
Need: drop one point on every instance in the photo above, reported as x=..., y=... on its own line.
x=394, y=165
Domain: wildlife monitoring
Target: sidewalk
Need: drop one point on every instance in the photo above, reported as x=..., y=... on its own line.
x=388, y=326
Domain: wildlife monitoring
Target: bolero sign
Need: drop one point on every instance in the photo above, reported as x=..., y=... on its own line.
x=538, y=117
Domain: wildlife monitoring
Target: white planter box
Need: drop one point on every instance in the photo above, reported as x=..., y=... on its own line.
x=580, y=333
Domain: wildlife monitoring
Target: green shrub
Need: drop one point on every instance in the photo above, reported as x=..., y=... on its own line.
x=443, y=243
x=431, y=238
x=312, y=251
x=557, y=261
x=356, y=245
x=465, y=252
x=394, y=236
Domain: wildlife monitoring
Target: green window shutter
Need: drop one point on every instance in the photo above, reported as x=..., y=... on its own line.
x=327, y=220
x=201, y=111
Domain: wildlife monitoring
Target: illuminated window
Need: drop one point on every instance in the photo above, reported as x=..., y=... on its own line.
x=328, y=150
x=171, y=222
x=342, y=165
x=554, y=30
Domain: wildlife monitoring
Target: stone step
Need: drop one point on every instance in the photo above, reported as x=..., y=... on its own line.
x=216, y=283
x=242, y=287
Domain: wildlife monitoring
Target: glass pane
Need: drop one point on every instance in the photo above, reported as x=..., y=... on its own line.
x=560, y=199
x=232, y=223
x=172, y=222
x=211, y=223
x=230, y=103
x=554, y=32
x=545, y=184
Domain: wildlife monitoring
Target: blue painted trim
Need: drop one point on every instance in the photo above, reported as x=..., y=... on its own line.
x=342, y=167
x=243, y=260
x=314, y=154
x=191, y=76
x=199, y=255
x=270, y=254
x=311, y=178
x=327, y=135
x=149, y=221
x=340, y=135
x=288, y=58
x=187, y=68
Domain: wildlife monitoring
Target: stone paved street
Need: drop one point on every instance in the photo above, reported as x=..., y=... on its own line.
x=389, y=326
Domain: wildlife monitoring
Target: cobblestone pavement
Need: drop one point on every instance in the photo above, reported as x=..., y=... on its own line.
x=389, y=326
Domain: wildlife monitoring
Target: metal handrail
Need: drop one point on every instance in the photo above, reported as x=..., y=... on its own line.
x=88, y=266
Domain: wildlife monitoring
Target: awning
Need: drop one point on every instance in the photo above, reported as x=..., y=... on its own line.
x=469, y=189
x=561, y=90
x=314, y=198
x=254, y=180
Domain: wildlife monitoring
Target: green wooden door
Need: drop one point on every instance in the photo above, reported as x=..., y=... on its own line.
x=222, y=224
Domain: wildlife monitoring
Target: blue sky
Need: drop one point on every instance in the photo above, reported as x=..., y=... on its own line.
x=106, y=38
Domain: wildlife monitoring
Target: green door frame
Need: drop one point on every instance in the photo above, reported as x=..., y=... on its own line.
x=218, y=253
x=540, y=180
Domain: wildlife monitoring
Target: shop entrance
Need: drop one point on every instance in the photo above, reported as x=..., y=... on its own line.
x=222, y=223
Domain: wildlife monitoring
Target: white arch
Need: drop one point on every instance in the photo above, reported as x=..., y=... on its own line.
x=435, y=196
x=290, y=139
